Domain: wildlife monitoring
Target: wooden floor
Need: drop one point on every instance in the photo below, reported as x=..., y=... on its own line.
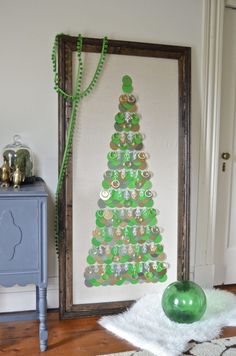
x=81, y=337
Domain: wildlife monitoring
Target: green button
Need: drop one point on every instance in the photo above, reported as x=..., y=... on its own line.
x=135, y=119
x=108, y=260
x=105, y=184
x=112, y=156
x=127, y=105
x=108, y=270
x=127, y=89
x=137, y=138
x=158, y=239
x=99, y=214
x=108, y=238
x=149, y=275
x=147, y=185
x=99, y=223
x=124, y=259
x=115, y=138
x=130, y=269
x=127, y=80
x=94, y=282
x=131, y=184
x=120, y=118
x=146, y=257
x=120, y=281
x=114, y=251
x=90, y=260
x=152, y=212
x=95, y=242
x=105, y=277
x=149, y=203
x=160, y=267
x=163, y=278
x=153, y=222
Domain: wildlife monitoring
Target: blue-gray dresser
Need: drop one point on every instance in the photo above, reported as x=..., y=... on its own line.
x=23, y=244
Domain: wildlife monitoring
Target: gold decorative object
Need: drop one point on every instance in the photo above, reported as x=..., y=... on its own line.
x=18, y=164
x=5, y=175
x=17, y=178
x=19, y=155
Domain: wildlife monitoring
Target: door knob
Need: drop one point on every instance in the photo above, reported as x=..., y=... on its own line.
x=225, y=155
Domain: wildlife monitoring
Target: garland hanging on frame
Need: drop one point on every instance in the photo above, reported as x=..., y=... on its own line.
x=75, y=99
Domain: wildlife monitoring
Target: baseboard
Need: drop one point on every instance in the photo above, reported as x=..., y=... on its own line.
x=219, y=277
x=204, y=275
x=17, y=298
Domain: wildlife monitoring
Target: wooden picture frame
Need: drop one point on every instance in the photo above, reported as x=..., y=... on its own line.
x=66, y=47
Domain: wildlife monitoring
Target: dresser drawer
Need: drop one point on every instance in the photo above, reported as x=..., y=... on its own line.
x=19, y=234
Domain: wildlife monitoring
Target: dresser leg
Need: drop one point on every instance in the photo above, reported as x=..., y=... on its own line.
x=43, y=333
x=37, y=301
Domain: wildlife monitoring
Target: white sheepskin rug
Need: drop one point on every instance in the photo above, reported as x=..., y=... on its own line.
x=146, y=326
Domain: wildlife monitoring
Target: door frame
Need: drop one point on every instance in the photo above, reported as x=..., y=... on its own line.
x=209, y=141
x=213, y=21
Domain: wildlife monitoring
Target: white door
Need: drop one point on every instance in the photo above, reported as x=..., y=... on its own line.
x=225, y=247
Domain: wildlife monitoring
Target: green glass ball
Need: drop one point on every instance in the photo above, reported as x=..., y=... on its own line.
x=184, y=302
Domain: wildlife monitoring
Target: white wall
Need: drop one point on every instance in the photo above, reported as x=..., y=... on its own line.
x=28, y=104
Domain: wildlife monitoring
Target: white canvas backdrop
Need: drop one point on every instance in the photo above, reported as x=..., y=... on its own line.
x=155, y=83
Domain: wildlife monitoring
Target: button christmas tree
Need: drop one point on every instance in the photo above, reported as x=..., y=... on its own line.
x=126, y=243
